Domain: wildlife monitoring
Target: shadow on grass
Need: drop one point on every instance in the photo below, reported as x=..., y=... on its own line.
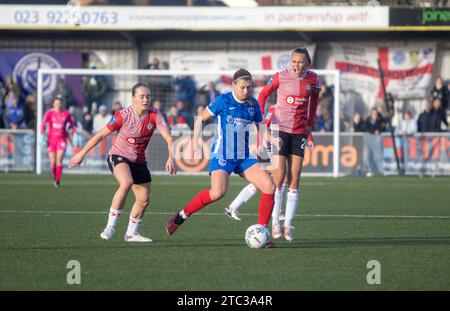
x=208, y=243
x=367, y=242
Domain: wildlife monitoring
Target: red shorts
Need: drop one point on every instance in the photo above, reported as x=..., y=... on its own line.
x=56, y=145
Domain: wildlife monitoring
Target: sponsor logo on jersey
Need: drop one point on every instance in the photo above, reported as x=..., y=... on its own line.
x=238, y=121
x=295, y=100
x=138, y=140
x=149, y=126
x=251, y=111
x=308, y=88
x=113, y=119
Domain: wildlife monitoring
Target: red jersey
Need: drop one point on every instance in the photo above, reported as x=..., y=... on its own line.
x=58, y=122
x=296, y=100
x=133, y=132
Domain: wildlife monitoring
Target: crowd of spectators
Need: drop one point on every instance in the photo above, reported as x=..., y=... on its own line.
x=179, y=99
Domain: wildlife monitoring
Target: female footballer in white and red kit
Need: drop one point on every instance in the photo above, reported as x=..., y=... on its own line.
x=297, y=95
x=57, y=119
x=126, y=159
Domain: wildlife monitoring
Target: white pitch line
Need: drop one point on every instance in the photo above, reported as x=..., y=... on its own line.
x=243, y=214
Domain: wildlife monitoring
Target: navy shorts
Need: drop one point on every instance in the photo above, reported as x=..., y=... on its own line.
x=292, y=144
x=139, y=171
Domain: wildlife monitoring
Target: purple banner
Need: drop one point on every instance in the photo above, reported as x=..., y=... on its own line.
x=23, y=67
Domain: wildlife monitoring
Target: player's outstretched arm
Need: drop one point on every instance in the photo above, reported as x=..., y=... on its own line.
x=205, y=115
x=78, y=158
x=171, y=168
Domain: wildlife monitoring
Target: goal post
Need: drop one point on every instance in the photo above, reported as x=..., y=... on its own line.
x=138, y=75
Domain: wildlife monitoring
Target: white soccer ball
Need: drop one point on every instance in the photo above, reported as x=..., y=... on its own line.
x=256, y=236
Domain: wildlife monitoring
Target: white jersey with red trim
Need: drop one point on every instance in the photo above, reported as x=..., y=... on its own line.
x=134, y=133
x=296, y=100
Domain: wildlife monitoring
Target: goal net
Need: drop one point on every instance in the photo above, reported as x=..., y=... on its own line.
x=90, y=95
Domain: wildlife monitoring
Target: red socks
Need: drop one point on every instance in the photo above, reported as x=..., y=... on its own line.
x=58, y=173
x=201, y=200
x=265, y=208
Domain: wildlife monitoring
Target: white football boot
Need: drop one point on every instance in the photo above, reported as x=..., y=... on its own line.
x=289, y=233
x=232, y=214
x=136, y=238
x=276, y=231
x=107, y=233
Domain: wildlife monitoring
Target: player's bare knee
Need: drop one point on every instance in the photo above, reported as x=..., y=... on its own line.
x=126, y=185
x=268, y=188
x=278, y=183
x=144, y=202
x=217, y=194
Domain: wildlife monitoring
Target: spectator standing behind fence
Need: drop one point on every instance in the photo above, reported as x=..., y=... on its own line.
x=14, y=112
x=11, y=86
x=161, y=86
x=183, y=111
x=357, y=124
x=30, y=110
x=344, y=122
x=437, y=116
x=116, y=106
x=319, y=122
x=424, y=120
x=87, y=124
x=407, y=125
x=101, y=119
x=65, y=93
x=326, y=102
x=440, y=91
x=174, y=118
x=157, y=104
x=185, y=90
x=208, y=93
x=374, y=123
x=93, y=90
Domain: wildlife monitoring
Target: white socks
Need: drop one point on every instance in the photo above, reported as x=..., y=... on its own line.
x=113, y=218
x=133, y=226
x=183, y=214
x=278, y=204
x=291, y=206
x=246, y=194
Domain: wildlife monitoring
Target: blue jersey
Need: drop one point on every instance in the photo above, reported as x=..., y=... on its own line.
x=234, y=120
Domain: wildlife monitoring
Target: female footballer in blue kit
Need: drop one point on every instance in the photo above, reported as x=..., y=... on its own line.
x=234, y=112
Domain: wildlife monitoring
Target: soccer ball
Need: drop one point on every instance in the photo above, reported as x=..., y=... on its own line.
x=256, y=236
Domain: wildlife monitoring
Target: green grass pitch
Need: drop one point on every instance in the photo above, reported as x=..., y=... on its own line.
x=342, y=224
